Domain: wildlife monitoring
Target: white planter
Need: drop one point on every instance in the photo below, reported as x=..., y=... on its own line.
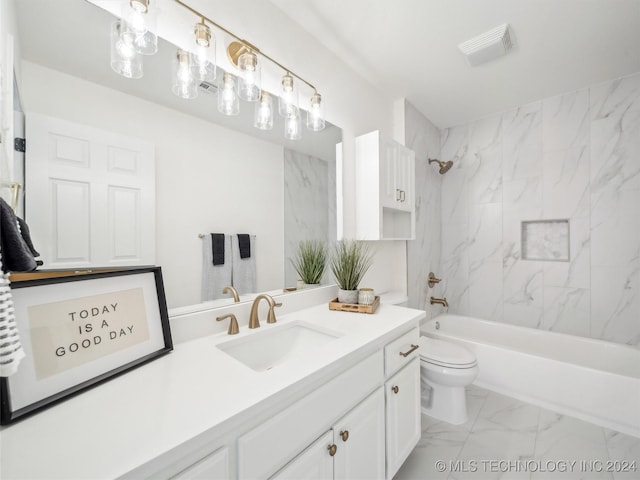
x=347, y=296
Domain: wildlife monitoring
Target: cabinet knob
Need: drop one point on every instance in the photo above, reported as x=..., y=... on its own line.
x=332, y=449
x=344, y=435
x=395, y=389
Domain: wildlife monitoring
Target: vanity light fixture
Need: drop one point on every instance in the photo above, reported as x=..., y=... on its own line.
x=204, y=53
x=263, y=118
x=125, y=60
x=184, y=81
x=228, y=103
x=288, y=96
x=292, y=125
x=136, y=34
x=139, y=18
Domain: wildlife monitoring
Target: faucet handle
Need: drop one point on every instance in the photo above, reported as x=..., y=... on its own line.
x=233, y=324
x=271, y=316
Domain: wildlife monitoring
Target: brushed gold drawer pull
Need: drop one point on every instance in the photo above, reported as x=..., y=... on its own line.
x=344, y=435
x=332, y=449
x=395, y=389
x=413, y=347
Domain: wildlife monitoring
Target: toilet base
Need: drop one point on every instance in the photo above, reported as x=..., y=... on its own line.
x=448, y=404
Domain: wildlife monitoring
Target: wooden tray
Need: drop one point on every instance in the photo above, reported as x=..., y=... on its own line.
x=354, y=307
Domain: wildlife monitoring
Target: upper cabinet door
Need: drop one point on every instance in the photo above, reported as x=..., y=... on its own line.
x=385, y=185
x=91, y=195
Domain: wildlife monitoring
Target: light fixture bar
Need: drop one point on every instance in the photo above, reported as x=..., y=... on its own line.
x=243, y=43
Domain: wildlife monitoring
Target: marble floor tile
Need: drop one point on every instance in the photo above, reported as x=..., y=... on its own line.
x=505, y=438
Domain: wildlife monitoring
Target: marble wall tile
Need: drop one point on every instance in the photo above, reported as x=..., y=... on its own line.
x=306, y=204
x=484, y=175
x=567, y=310
x=485, y=234
x=575, y=273
x=522, y=142
x=615, y=303
x=423, y=253
x=615, y=228
x=485, y=291
x=546, y=240
x=565, y=183
x=523, y=194
x=615, y=149
x=566, y=121
x=523, y=284
x=615, y=96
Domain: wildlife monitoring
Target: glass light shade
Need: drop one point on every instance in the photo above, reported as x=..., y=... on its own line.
x=263, y=118
x=140, y=17
x=315, y=116
x=228, y=103
x=184, y=79
x=288, y=100
x=125, y=60
x=249, y=77
x=204, y=53
x=293, y=126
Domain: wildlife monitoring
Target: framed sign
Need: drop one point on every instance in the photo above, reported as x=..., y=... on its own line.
x=78, y=331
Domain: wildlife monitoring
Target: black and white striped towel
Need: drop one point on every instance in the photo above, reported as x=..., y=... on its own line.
x=11, y=351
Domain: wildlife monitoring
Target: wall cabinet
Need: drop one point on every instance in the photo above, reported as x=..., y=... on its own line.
x=385, y=189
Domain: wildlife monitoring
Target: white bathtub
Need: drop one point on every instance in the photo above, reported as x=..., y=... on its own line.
x=590, y=379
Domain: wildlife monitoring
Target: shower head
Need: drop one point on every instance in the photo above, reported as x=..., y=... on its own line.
x=444, y=166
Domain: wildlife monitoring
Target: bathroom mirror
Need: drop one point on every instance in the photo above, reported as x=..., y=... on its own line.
x=213, y=173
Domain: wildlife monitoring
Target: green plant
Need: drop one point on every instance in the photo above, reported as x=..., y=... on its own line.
x=310, y=261
x=350, y=261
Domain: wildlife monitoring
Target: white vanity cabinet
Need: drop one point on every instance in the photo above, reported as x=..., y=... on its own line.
x=212, y=467
x=385, y=189
x=352, y=449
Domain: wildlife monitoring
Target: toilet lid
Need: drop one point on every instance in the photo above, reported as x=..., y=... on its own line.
x=444, y=353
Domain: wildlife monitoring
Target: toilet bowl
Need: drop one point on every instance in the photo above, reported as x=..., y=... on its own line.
x=445, y=370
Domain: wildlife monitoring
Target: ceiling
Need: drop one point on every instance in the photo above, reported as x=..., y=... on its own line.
x=408, y=48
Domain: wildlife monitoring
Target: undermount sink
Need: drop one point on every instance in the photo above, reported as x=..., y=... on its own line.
x=274, y=346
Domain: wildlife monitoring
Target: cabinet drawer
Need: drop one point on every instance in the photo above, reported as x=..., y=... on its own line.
x=401, y=351
x=266, y=448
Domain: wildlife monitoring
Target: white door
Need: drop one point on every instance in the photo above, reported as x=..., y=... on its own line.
x=405, y=175
x=316, y=462
x=389, y=193
x=89, y=195
x=359, y=437
x=403, y=415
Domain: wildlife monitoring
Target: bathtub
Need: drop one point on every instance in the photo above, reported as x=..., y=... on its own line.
x=593, y=380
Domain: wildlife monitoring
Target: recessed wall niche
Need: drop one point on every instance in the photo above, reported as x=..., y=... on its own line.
x=545, y=240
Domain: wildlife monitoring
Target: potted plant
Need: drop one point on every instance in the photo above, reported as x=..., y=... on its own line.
x=350, y=261
x=310, y=261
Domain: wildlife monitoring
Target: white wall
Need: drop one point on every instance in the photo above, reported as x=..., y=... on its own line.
x=208, y=178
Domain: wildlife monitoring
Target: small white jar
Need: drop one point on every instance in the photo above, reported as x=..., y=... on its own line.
x=366, y=296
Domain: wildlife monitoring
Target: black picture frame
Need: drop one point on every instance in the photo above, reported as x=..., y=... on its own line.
x=97, y=355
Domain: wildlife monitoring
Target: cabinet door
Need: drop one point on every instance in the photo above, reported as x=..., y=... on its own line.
x=389, y=192
x=316, y=462
x=214, y=466
x=359, y=438
x=405, y=178
x=403, y=415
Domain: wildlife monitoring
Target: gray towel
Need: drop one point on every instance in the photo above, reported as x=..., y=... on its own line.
x=215, y=277
x=244, y=269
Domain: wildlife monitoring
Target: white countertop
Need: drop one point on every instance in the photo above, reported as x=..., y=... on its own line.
x=115, y=427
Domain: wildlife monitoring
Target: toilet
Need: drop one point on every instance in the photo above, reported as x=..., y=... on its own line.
x=445, y=370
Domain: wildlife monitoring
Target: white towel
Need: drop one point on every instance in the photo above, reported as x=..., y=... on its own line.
x=244, y=269
x=11, y=351
x=215, y=277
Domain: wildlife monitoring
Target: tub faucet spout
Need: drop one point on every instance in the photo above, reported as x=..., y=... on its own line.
x=440, y=301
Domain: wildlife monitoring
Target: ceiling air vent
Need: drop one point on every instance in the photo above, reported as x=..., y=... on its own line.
x=487, y=46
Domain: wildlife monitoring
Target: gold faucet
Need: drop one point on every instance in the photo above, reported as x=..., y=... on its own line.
x=233, y=324
x=233, y=291
x=440, y=301
x=254, y=322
